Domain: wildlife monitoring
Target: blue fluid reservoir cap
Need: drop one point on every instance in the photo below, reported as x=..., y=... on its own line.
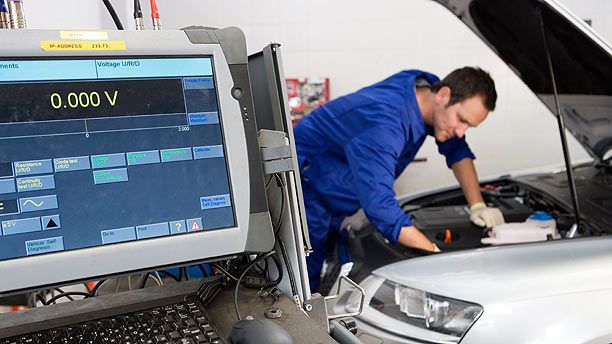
x=540, y=216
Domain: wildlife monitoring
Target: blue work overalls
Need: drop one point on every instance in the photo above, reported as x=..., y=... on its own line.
x=350, y=152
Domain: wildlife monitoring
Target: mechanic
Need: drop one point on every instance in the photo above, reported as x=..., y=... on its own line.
x=352, y=149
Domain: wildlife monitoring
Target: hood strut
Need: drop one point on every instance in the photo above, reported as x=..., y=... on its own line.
x=561, y=123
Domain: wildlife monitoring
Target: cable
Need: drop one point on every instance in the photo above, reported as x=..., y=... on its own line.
x=5, y=22
x=281, y=244
x=169, y=274
x=209, y=289
x=279, y=270
x=279, y=222
x=248, y=267
x=96, y=287
x=37, y=297
x=225, y=272
x=161, y=281
x=61, y=292
x=66, y=295
x=143, y=280
x=155, y=16
x=261, y=270
x=157, y=280
x=16, y=14
x=113, y=14
x=202, y=270
x=138, y=16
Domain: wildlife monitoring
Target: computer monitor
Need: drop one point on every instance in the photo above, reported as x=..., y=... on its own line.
x=132, y=154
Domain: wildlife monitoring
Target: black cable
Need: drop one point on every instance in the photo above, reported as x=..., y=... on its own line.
x=247, y=268
x=113, y=14
x=63, y=292
x=66, y=295
x=281, y=243
x=41, y=299
x=202, y=270
x=180, y=275
x=283, y=248
x=143, y=280
x=169, y=274
x=279, y=269
x=277, y=225
x=87, y=287
x=96, y=287
x=262, y=270
x=187, y=276
x=209, y=289
x=137, y=9
x=225, y=272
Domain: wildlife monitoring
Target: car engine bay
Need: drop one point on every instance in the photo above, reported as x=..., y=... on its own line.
x=445, y=220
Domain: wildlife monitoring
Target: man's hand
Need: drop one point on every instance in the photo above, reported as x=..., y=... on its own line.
x=412, y=237
x=481, y=215
x=484, y=216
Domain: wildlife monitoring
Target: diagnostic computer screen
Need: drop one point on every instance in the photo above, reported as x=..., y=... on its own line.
x=103, y=151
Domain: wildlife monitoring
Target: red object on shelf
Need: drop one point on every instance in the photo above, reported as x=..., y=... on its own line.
x=305, y=95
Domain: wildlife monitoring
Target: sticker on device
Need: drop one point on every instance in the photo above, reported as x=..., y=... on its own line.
x=212, y=202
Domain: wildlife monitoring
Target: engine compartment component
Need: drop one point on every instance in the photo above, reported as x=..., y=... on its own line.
x=539, y=226
x=444, y=218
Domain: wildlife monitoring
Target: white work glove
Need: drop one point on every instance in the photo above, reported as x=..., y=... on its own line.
x=436, y=249
x=484, y=216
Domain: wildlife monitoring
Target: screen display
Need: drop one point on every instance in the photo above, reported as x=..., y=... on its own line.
x=103, y=151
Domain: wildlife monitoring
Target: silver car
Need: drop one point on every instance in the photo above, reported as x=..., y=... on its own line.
x=558, y=290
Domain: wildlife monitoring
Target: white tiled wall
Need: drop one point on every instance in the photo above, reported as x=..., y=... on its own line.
x=359, y=42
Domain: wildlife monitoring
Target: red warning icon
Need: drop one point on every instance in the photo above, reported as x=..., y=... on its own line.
x=195, y=226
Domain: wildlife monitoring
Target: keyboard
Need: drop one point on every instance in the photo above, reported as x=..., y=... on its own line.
x=180, y=323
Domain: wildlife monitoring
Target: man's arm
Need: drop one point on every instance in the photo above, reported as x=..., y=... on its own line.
x=412, y=237
x=409, y=236
x=465, y=172
x=372, y=157
x=481, y=215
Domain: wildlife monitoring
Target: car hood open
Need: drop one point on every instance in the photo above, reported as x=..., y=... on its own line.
x=582, y=60
x=490, y=275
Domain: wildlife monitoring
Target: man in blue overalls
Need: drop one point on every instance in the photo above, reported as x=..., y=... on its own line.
x=352, y=149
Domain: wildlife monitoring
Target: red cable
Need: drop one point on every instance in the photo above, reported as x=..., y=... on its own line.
x=154, y=10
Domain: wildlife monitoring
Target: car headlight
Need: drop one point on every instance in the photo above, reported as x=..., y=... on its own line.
x=432, y=317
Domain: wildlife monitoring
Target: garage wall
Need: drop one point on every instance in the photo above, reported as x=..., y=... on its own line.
x=358, y=42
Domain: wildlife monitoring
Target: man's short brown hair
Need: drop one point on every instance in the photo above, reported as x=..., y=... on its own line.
x=468, y=82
